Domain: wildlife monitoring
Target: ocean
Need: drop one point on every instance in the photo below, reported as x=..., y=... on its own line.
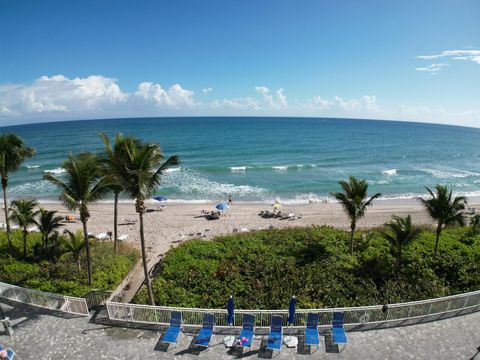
x=261, y=159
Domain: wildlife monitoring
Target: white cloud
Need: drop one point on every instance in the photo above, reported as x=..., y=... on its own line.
x=207, y=90
x=472, y=55
x=262, y=90
x=448, y=55
x=279, y=101
x=59, y=94
x=281, y=98
x=317, y=102
x=245, y=103
x=61, y=98
x=364, y=105
x=433, y=68
x=175, y=97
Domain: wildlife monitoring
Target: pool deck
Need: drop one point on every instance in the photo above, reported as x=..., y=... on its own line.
x=43, y=334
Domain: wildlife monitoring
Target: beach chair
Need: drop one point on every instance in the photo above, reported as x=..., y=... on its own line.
x=206, y=332
x=275, y=336
x=101, y=236
x=174, y=330
x=339, y=337
x=311, y=331
x=10, y=354
x=248, y=330
x=122, y=237
x=128, y=221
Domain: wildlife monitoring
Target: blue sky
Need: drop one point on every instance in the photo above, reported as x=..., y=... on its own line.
x=407, y=60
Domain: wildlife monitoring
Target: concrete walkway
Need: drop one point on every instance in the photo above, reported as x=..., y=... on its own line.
x=42, y=334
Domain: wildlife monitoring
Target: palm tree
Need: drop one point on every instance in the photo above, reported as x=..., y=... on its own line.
x=445, y=209
x=23, y=213
x=354, y=202
x=12, y=153
x=73, y=245
x=475, y=222
x=114, y=160
x=402, y=234
x=83, y=185
x=139, y=181
x=47, y=224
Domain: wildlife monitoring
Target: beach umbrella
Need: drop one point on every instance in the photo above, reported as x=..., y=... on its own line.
x=222, y=206
x=291, y=341
x=160, y=198
x=291, y=310
x=230, y=309
x=229, y=340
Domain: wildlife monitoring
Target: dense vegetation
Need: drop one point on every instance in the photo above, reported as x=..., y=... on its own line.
x=50, y=271
x=263, y=269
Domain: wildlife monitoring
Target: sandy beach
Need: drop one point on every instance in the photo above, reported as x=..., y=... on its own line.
x=179, y=221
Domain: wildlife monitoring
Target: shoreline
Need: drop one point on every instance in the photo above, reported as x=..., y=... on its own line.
x=167, y=223
x=472, y=201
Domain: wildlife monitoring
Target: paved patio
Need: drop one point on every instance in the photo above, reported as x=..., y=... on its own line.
x=43, y=334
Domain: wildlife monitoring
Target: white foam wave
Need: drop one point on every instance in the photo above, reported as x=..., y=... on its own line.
x=36, y=188
x=378, y=182
x=238, y=168
x=32, y=166
x=389, y=172
x=299, y=166
x=55, y=171
x=193, y=185
x=280, y=168
x=450, y=173
x=172, y=169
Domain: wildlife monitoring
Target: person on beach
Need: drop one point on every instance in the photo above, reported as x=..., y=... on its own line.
x=230, y=202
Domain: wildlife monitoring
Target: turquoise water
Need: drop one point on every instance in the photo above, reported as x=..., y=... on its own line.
x=261, y=159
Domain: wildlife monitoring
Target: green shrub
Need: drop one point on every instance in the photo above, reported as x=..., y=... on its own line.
x=264, y=269
x=41, y=272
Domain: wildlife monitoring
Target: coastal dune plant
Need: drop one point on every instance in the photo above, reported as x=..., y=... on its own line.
x=140, y=179
x=23, y=213
x=82, y=185
x=354, y=202
x=445, y=209
x=48, y=222
x=401, y=233
x=12, y=154
x=73, y=244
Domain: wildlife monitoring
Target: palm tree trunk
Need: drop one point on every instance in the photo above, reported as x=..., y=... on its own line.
x=87, y=247
x=115, y=222
x=79, y=265
x=437, y=238
x=7, y=220
x=397, y=263
x=144, y=259
x=352, y=235
x=24, y=242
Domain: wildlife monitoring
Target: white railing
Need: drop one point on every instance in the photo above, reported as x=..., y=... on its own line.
x=366, y=316
x=67, y=304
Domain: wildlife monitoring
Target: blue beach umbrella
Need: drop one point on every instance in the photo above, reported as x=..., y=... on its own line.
x=222, y=206
x=160, y=198
x=291, y=310
x=230, y=309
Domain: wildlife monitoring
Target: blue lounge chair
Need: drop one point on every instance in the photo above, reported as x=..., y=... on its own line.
x=206, y=332
x=311, y=331
x=10, y=352
x=175, y=328
x=275, y=336
x=248, y=330
x=339, y=337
